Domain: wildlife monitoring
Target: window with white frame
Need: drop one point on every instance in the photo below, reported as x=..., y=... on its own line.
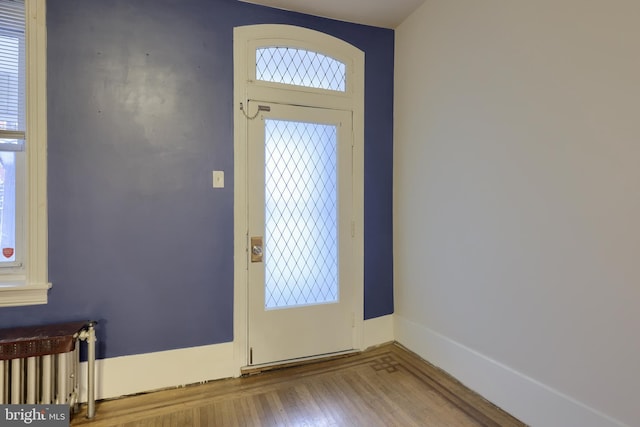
x=23, y=212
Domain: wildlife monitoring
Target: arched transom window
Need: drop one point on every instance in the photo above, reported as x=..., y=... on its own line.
x=300, y=67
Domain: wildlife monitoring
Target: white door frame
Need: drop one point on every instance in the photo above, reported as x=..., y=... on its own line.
x=246, y=39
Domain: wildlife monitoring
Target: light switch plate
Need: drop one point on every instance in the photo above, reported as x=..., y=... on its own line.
x=218, y=179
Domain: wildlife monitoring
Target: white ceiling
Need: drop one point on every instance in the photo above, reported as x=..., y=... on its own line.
x=379, y=13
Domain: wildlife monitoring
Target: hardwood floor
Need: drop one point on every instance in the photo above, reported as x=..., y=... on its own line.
x=385, y=386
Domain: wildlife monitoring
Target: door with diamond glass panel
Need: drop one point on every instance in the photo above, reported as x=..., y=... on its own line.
x=300, y=213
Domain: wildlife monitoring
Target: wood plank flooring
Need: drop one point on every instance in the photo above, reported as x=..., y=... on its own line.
x=385, y=386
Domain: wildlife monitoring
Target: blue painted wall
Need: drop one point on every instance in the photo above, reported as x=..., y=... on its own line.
x=140, y=99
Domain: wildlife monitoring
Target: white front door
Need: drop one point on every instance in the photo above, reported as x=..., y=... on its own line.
x=300, y=228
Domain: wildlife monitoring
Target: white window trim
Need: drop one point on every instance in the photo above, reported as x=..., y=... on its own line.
x=30, y=286
x=246, y=40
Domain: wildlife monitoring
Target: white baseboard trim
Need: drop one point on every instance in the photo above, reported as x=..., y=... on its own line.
x=138, y=373
x=121, y=376
x=378, y=330
x=525, y=398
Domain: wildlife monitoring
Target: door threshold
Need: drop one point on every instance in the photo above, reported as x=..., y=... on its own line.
x=257, y=369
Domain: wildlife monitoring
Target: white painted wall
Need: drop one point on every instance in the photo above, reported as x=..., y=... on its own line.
x=517, y=202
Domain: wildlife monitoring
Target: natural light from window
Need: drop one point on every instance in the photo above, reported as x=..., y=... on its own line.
x=11, y=119
x=300, y=67
x=301, y=228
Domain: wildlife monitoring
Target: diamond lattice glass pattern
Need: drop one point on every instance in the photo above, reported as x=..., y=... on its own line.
x=301, y=246
x=300, y=67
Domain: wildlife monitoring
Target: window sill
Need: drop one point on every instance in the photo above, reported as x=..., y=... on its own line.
x=18, y=293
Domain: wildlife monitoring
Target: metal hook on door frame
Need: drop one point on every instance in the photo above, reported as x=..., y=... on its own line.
x=260, y=108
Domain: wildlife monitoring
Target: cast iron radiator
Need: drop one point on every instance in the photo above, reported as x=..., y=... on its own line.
x=40, y=364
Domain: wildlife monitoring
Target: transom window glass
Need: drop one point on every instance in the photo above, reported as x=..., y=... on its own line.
x=300, y=67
